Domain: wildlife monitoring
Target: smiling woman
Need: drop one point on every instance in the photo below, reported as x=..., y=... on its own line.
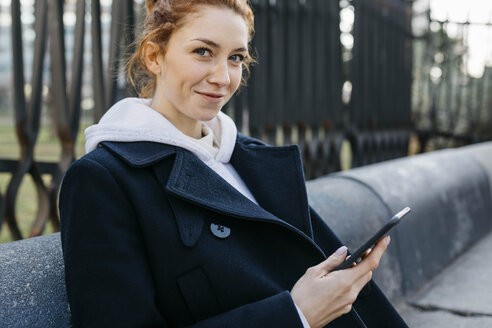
x=174, y=219
x=162, y=21
x=201, y=69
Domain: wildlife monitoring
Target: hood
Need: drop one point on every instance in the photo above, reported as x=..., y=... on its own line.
x=132, y=119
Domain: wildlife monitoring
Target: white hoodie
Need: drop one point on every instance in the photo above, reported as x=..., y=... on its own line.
x=132, y=119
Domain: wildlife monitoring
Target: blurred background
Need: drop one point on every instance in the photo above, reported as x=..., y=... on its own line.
x=352, y=82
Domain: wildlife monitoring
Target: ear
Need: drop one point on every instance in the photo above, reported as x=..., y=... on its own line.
x=151, y=54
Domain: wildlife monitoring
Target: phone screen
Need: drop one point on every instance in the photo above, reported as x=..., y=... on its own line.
x=355, y=256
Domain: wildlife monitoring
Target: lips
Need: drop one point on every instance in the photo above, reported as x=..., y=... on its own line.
x=211, y=96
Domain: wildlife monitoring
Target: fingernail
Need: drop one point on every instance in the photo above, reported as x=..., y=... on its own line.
x=341, y=250
x=388, y=239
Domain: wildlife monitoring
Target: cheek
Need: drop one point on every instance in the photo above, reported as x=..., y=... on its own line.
x=184, y=71
x=194, y=73
x=236, y=74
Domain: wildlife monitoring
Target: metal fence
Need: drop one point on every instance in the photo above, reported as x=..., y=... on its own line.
x=294, y=93
x=452, y=106
x=296, y=87
x=380, y=110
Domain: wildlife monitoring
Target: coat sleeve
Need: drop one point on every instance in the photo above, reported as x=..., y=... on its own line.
x=109, y=281
x=106, y=272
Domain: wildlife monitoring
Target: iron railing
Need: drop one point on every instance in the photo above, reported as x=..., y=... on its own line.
x=452, y=106
x=294, y=93
x=380, y=114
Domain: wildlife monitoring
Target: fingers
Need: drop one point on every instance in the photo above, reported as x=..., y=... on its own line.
x=366, y=253
x=331, y=262
x=369, y=263
x=371, y=260
x=323, y=295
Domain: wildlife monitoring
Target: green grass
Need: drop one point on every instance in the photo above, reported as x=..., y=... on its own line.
x=25, y=206
x=48, y=149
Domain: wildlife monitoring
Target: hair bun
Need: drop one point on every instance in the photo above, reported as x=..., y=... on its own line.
x=150, y=4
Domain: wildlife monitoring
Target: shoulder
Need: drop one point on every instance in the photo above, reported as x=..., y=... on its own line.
x=131, y=154
x=245, y=140
x=117, y=161
x=253, y=145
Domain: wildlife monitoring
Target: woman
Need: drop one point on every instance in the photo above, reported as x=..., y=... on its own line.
x=174, y=219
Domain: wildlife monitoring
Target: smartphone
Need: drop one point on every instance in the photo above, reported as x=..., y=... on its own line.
x=355, y=257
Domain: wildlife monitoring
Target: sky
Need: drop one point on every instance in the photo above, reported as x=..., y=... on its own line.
x=480, y=36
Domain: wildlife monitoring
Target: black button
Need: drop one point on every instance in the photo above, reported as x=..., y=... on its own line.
x=220, y=231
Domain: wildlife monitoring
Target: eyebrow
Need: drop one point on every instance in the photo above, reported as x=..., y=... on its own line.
x=216, y=45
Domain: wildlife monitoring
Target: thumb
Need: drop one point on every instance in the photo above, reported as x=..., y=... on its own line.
x=335, y=259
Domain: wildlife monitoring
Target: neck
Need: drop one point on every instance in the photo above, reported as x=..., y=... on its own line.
x=185, y=124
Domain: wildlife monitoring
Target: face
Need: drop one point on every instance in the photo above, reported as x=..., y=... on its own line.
x=202, y=66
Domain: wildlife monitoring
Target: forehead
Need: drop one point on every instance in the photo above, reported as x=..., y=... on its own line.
x=218, y=24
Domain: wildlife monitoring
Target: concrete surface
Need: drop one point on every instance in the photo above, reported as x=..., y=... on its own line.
x=461, y=296
x=438, y=319
x=450, y=197
x=345, y=204
x=438, y=270
x=32, y=289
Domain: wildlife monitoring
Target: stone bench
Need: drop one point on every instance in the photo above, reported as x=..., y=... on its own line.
x=449, y=192
x=32, y=284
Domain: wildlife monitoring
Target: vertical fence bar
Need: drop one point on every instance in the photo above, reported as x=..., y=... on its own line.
x=58, y=64
x=275, y=54
x=334, y=68
x=69, y=126
x=292, y=73
x=259, y=88
x=61, y=111
x=35, y=106
x=97, y=62
x=77, y=69
x=27, y=122
x=21, y=118
x=117, y=12
x=297, y=79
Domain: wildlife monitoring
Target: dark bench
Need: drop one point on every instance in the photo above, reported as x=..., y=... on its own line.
x=449, y=192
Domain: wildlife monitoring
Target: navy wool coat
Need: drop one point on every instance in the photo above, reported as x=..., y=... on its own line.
x=152, y=237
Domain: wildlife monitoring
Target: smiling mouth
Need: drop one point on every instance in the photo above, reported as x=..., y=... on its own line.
x=214, y=97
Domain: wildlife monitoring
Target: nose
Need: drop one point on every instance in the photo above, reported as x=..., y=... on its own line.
x=219, y=74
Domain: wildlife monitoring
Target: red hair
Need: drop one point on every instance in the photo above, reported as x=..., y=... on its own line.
x=163, y=18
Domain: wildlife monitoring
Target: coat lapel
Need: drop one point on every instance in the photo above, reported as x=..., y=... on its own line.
x=273, y=174
x=194, y=181
x=275, y=177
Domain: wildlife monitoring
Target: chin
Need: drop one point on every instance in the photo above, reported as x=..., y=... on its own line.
x=208, y=114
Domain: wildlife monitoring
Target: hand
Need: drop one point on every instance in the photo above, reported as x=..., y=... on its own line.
x=324, y=295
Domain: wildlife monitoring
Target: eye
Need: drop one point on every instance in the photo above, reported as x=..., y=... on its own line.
x=204, y=52
x=237, y=58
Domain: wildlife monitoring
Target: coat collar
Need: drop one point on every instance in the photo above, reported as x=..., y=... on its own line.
x=273, y=174
x=276, y=179
x=139, y=153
